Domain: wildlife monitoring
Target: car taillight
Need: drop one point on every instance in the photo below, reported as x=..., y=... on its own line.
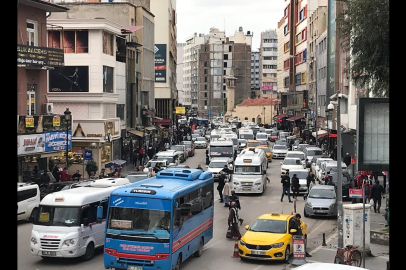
x=110, y=251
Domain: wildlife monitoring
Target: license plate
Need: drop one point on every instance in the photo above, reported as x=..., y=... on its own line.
x=49, y=253
x=257, y=252
x=134, y=267
x=246, y=189
x=320, y=211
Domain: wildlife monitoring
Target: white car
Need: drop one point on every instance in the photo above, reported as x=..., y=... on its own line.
x=200, y=142
x=216, y=165
x=290, y=163
x=279, y=151
x=262, y=136
x=302, y=175
x=298, y=154
x=315, y=167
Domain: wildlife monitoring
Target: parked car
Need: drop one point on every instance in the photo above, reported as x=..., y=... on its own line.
x=331, y=166
x=189, y=147
x=321, y=201
x=200, y=142
x=268, y=238
x=279, y=151
x=290, y=164
x=180, y=148
x=28, y=199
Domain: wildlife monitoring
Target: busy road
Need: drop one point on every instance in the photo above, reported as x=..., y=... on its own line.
x=218, y=252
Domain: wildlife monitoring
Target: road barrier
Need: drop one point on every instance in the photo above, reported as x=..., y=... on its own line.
x=236, y=253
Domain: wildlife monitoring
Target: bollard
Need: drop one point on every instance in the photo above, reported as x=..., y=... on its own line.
x=387, y=265
x=324, y=240
x=235, y=253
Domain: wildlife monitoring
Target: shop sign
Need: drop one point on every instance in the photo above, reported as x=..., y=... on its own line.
x=88, y=154
x=30, y=124
x=56, y=141
x=39, y=56
x=30, y=144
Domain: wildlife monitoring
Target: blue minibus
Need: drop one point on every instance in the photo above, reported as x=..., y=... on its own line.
x=159, y=222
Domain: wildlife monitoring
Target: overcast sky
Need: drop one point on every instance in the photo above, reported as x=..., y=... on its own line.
x=198, y=16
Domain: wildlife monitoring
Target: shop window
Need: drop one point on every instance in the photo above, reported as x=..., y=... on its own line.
x=31, y=104
x=105, y=153
x=32, y=33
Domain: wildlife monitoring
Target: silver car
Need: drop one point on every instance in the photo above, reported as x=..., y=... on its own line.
x=200, y=142
x=279, y=151
x=321, y=201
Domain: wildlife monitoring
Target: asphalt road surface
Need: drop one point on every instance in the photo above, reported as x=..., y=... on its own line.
x=218, y=252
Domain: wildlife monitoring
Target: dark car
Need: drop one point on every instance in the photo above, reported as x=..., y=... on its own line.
x=57, y=186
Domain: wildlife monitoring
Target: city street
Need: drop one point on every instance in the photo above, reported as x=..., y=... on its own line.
x=219, y=251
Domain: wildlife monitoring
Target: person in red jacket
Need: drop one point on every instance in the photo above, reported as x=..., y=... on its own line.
x=360, y=179
x=367, y=191
x=63, y=174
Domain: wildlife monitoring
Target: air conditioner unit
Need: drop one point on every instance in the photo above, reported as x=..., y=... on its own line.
x=48, y=108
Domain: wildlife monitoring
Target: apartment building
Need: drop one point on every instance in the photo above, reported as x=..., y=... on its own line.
x=183, y=97
x=166, y=95
x=255, y=74
x=269, y=62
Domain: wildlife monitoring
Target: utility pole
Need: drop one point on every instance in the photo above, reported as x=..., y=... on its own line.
x=340, y=175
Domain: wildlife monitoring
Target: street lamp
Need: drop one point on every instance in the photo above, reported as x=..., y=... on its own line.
x=67, y=119
x=330, y=107
x=264, y=115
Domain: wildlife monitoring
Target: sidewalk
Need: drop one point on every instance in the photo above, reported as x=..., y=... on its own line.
x=380, y=253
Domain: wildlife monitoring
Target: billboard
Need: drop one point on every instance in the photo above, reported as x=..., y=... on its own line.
x=39, y=56
x=160, y=63
x=373, y=134
x=69, y=79
x=56, y=141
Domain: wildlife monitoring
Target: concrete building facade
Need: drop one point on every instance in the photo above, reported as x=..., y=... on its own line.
x=183, y=96
x=269, y=62
x=255, y=74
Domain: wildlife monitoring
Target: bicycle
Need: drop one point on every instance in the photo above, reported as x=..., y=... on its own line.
x=350, y=255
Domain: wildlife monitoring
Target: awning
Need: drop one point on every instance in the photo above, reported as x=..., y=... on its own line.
x=130, y=28
x=163, y=121
x=333, y=135
x=136, y=132
x=320, y=133
x=279, y=116
x=150, y=128
x=294, y=118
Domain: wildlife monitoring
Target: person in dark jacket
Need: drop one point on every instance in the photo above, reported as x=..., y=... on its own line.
x=285, y=180
x=376, y=193
x=233, y=221
x=221, y=185
x=309, y=179
x=55, y=173
x=295, y=185
x=347, y=159
x=234, y=198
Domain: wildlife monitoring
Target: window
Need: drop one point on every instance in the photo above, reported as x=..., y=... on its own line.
x=286, y=82
x=205, y=78
x=26, y=194
x=286, y=11
x=286, y=64
x=286, y=47
x=205, y=95
x=303, y=77
x=205, y=87
x=229, y=48
x=31, y=103
x=285, y=30
x=225, y=56
x=32, y=33
x=205, y=63
x=205, y=71
x=253, y=120
x=205, y=103
x=107, y=43
x=224, y=72
x=298, y=78
x=225, y=64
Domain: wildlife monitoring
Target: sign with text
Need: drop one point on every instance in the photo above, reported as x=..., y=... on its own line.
x=29, y=124
x=30, y=144
x=160, y=63
x=39, y=56
x=180, y=110
x=355, y=193
x=56, y=141
x=88, y=154
x=298, y=242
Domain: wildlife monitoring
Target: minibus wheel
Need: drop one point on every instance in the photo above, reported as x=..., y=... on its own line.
x=89, y=252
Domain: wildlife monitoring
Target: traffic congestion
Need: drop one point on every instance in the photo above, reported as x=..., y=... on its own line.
x=202, y=194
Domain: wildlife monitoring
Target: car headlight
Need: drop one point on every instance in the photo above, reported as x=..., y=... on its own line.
x=308, y=204
x=242, y=242
x=70, y=242
x=277, y=245
x=34, y=240
x=332, y=205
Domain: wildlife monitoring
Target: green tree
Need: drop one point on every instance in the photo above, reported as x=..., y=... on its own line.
x=91, y=166
x=366, y=24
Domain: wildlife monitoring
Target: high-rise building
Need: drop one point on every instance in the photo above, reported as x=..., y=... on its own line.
x=268, y=62
x=183, y=97
x=255, y=74
x=207, y=60
x=165, y=60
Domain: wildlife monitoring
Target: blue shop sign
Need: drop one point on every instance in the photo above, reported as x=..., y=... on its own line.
x=56, y=141
x=88, y=154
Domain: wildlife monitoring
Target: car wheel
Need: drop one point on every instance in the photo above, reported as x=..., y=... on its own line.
x=304, y=213
x=287, y=254
x=89, y=252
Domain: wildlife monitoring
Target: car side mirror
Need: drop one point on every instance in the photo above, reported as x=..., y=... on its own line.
x=292, y=230
x=247, y=227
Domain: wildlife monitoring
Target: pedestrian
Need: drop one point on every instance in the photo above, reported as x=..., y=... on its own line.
x=234, y=198
x=227, y=170
x=375, y=175
x=45, y=179
x=199, y=167
x=330, y=181
x=295, y=186
x=220, y=185
x=139, y=168
x=309, y=179
x=63, y=174
x=55, y=172
x=135, y=157
x=295, y=223
x=233, y=221
x=384, y=181
x=226, y=192
x=285, y=180
x=376, y=193
x=360, y=179
x=366, y=187
x=151, y=172
x=347, y=159
x=76, y=176
x=312, y=184
x=327, y=177
x=141, y=154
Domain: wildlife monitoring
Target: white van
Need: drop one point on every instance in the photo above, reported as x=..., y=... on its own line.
x=66, y=225
x=250, y=171
x=173, y=157
x=28, y=199
x=246, y=133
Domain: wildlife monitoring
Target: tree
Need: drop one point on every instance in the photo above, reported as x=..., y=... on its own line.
x=91, y=166
x=366, y=24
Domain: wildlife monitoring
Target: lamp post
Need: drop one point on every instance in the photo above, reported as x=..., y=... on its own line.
x=330, y=107
x=67, y=119
x=264, y=116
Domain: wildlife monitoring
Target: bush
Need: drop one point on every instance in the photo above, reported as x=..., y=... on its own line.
x=91, y=166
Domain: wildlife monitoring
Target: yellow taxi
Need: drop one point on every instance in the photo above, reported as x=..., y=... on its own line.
x=251, y=144
x=268, y=238
x=267, y=151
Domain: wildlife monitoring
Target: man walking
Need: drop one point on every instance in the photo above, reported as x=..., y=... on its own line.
x=233, y=220
x=135, y=157
x=309, y=179
x=285, y=180
x=376, y=193
x=221, y=184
